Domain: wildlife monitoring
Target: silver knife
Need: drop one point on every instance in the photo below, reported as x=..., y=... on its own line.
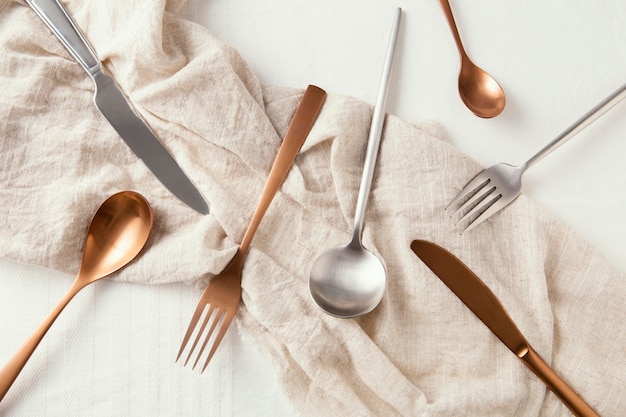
x=116, y=109
x=485, y=305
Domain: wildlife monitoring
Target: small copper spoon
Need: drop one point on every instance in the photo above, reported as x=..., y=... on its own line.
x=479, y=91
x=116, y=234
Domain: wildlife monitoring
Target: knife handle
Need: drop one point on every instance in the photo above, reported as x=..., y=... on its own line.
x=56, y=17
x=566, y=394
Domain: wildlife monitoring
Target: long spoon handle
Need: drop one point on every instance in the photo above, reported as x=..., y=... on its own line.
x=588, y=118
x=14, y=366
x=573, y=401
x=447, y=11
x=300, y=126
x=376, y=130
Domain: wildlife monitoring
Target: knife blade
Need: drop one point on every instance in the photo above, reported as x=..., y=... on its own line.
x=486, y=306
x=116, y=108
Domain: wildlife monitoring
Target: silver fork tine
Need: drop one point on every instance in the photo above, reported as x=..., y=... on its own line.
x=192, y=325
x=228, y=318
x=478, y=202
x=472, y=187
x=200, y=331
x=492, y=207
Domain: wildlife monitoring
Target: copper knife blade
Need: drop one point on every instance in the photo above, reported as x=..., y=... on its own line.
x=486, y=306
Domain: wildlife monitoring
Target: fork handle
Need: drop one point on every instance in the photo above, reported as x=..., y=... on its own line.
x=447, y=11
x=588, y=118
x=300, y=126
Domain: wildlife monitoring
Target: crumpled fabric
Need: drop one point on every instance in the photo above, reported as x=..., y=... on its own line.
x=421, y=352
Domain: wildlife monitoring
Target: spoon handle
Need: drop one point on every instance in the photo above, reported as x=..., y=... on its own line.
x=376, y=129
x=14, y=366
x=301, y=124
x=588, y=118
x=447, y=11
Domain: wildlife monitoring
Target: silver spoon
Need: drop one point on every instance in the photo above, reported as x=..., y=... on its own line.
x=349, y=281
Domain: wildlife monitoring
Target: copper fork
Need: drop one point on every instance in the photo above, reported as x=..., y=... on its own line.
x=222, y=295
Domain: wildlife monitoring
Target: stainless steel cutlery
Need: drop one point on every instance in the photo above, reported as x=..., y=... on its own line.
x=497, y=186
x=116, y=109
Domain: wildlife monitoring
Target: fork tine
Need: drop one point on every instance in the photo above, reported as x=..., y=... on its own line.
x=471, y=188
x=216, y=319
x=200, y=331
x=192, y=325
x=491, y=207
x=228, y=318
x=478, y=202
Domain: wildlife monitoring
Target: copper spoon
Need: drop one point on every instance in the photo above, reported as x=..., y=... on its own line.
x=117, y=233
x=479, y=91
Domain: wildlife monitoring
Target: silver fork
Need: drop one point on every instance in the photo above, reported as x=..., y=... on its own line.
x=497, y=186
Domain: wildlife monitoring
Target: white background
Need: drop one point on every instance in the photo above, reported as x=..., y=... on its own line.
x=112, y=350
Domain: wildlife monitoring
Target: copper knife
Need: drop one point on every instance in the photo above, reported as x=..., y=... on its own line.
x=486, y=306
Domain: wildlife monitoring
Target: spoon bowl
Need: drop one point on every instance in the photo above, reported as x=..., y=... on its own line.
x=480, y=93
x=116, y=235
x=347, y=281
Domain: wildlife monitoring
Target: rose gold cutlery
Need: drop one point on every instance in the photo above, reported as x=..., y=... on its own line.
x=222, y=295
x=486, y=306
x=479, y=91
x=497, y=186
x=116, y=235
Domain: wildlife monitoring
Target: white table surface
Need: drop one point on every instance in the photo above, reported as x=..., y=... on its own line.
x=111, y=353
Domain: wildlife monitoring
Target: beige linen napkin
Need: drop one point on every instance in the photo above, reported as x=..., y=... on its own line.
x=421, y=352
